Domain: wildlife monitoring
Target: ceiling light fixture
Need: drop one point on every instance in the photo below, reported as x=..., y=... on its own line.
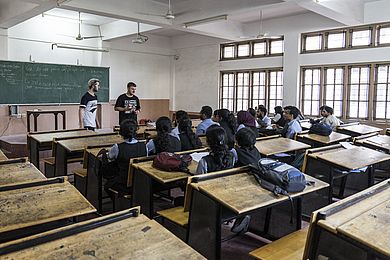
x=206, y=20
x=77, y=47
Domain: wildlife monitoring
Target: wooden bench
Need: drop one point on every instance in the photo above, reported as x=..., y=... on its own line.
x=290, y=247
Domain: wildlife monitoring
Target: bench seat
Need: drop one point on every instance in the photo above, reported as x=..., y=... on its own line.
x=176, y=215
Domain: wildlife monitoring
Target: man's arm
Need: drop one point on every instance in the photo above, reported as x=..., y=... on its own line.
x=81, y=116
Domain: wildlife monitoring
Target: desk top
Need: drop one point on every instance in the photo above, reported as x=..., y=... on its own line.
x=379, y=141
x=78, y=144
x=31, y=206
x=360, y=129
x=241, y=193
x=18, y=173
x=164, y=176
x=95, y=151
x=2, y=156
x=366, y=221
x=354, y=158
x=334, y=137
x=130, y=238
x=48, y=137
x=272, y=146
x=46, y=111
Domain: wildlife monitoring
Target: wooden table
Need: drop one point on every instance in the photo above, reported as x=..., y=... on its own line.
x=320, y=140
x=36, y=113
x=45, y=203
x=42, y=141
x=352, y=159
x=147, y=180
x=15, y=173
x=2, y=156
x=123, y=235
x=356, y=130
x=75, y=147
x=357, y=227
x=380, y=142
x=218, y=199
x=277, y=145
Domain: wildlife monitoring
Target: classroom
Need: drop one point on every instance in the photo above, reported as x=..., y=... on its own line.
x=187, y=55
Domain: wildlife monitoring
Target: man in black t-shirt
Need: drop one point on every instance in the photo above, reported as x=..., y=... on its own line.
x=128, y=104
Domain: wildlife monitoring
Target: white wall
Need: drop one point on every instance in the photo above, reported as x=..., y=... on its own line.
x=3, y=44
x=377, y=11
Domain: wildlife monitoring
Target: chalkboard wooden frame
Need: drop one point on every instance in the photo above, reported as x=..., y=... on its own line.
x=48, y=83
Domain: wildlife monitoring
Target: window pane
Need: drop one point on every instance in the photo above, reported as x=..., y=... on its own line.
x=353, y=109
x=228, y=52
x=382, y=74
x=243, y=50
x=259, y=48
x=313, y=43
x=276, y=47
x=336, y=40
x=384, y=35
x=361, y=38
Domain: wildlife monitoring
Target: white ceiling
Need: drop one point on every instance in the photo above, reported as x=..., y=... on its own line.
x=240, y=13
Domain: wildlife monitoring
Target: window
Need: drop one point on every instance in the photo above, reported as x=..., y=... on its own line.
x=240, y=90
x=252, y=49
x=382, y=92
x=354, y=91
x=367, y=36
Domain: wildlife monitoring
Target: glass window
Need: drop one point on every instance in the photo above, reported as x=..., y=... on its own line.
x=227, y=90
x=313, y=43
x=243, y=50
x=311, y=91
x=361, y=38
x=276, y=46
x=259, y=48
x=382, y=92
x=358, y=92
x=336, y=40
x=258, y=89
x=334, y=89
x=384, y=35
x=275, y=89
x=228, y=52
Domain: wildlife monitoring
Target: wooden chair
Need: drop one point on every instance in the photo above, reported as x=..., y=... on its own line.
x=290, y=247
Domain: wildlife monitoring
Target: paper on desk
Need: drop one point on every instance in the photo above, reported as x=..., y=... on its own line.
x=197, y=156
x=283, y=167
x=347, y=145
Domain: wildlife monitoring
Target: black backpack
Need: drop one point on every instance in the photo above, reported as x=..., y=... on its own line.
x=320, y=129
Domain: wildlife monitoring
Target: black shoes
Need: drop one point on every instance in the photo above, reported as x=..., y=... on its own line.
x=241, y=224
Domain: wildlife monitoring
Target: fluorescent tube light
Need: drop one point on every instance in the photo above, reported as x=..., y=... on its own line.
x=77, y=47
x=206, y=20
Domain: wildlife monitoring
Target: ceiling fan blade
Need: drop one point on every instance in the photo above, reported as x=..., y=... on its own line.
x=91, y=37
x=150, y=14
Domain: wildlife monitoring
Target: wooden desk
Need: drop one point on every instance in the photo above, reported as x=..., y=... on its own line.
x=357, y=227
x=36, y=113
x=380, y=142
x=2, y=156
x=352, y=159
x=277, y=145
x=218, y=199
x=21, y=172
x=24, y=206
x=75, y=147
x=320, y=140
x=147, y=180
x=42, y=141
x=123, y=235
x=356, y=130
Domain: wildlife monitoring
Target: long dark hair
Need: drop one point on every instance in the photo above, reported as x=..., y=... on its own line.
x=163, y=127
x=246, y=139
x=128, y=129
x=229, y=118
x=216, y=139
x=185, y=128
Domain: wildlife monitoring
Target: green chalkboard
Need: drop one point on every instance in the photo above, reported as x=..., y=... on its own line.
x=32, y=83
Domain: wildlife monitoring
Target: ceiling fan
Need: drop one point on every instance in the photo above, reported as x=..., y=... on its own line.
x=169, y=15
x=140, y=38
x=80, y=38
x=262, y=34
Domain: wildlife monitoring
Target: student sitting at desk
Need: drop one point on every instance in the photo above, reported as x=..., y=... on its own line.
x=253, y=112
x=130, y=148
x=328, y=117
x=205, y=114
x=263, y=120
x=227, y=121
x=246, y=152
x=292, y=125
x=245, y=119
x=165, y=140
x=189, y=140
x=278, y=117
x=180, y=115
x=220, y=158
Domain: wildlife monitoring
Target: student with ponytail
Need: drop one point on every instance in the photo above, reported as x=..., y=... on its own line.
x=227, y=121
x=220, y=158
x=165, y=141
x=189, y=140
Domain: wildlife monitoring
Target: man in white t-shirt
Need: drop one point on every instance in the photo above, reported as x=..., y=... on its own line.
x=88, y=106
x=328, y=117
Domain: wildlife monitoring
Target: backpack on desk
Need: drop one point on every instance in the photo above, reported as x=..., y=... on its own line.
x=320, y=129
x=172, y=162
